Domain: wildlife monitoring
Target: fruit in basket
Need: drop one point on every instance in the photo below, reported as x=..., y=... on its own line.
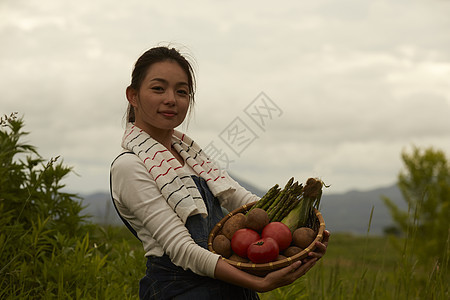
x=292, y=206
x=279, y=232
x=222, y=245
x=233, y=224
x=263, y=251
x=303, y=237
x=242, y=239
x=257, y=219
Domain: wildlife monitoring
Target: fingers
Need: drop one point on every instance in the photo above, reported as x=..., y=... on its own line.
x=294, y=267
x=321, y=247
x=288, y=274
x=305, y=267
x=326, y=237
x=297, y=269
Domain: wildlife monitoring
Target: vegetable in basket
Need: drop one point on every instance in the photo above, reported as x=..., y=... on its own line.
x=294, y=204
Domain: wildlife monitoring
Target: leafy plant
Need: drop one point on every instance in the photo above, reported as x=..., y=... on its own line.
x=425, y=185
x=47, y=248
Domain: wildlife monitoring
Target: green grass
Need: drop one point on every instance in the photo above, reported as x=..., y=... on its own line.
x=354, y=267
x=358, y=267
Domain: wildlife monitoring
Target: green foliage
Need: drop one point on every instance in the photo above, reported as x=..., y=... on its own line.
x=47, y=248
x=425, y=185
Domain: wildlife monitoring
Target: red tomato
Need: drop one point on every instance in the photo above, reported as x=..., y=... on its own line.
x=242, y=239
x=263, y=251
x=279, y=232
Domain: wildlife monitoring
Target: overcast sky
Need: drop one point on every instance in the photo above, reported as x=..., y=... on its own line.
x=343, y=87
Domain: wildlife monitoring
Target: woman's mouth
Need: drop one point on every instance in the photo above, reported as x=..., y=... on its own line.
x=168, y=113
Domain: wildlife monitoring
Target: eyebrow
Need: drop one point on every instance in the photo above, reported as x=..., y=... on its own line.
x=165, y=81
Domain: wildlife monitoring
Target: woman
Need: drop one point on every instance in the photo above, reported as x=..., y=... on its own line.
x=170, y=194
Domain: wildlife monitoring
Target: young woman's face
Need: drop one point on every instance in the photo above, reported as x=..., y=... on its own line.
x=163, y=99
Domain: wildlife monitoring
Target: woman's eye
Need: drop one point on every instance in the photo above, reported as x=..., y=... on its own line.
x=183, y=92
x=157, y=88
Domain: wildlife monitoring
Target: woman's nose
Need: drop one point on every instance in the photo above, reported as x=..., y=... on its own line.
x=170, y=97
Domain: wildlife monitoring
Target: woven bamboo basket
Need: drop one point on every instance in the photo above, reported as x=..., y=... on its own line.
x=264, y=269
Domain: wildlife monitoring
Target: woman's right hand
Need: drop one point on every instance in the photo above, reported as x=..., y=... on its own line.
x=296, y=270
x=275, y=279
x=286, y=275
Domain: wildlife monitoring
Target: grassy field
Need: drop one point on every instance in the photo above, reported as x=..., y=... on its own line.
x=358, y=267
x=351, y=266
x=109, y=262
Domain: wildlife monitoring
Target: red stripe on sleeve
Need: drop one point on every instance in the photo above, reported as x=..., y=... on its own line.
x=218, y=177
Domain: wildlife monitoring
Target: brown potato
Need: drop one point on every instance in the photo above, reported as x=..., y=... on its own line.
x=233, y=224
x=222, y=245
x=292, y=250
x=303, y=237
x=257, y=219
x=237, y=258
x=281, y=257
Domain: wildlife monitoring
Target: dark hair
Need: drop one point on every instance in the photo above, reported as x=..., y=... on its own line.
x=155, y=55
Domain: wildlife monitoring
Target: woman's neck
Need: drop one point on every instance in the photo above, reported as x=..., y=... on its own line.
x=163, y=136
x=164, y=139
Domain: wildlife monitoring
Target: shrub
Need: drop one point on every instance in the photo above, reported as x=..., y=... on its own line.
x=46, y=246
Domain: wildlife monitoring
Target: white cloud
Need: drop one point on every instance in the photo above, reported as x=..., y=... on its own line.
x=357, y=80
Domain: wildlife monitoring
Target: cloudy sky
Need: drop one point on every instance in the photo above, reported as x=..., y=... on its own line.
x=343, y=87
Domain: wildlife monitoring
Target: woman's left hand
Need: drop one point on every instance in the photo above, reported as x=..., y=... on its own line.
x=296, y=270
x=321, y=247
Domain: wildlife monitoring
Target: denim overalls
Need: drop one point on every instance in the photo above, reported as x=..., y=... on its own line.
x=164, y=280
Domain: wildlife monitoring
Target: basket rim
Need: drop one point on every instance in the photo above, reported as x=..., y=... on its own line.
x=271, y=266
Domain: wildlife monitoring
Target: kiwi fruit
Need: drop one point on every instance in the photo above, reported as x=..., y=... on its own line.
x=303, y=237
x=257, y=219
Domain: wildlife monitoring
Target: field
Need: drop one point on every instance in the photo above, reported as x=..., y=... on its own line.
x=355, y=267
x=358, y=267
x=109, y=262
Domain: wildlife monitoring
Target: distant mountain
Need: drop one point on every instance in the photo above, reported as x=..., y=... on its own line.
x=345, y=212
x=100, y=208
x=350, y=211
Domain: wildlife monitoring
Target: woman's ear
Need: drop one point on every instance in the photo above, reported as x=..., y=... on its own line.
x=132, y=96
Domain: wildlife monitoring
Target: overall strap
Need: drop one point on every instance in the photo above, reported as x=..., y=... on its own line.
x=114, y=203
